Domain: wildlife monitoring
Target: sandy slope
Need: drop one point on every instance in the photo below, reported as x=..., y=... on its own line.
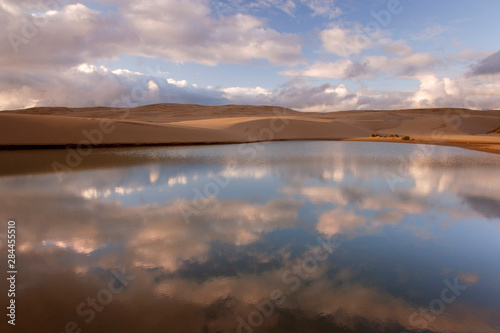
x=196, y=124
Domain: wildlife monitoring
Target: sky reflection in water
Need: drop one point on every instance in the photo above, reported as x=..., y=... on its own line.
x=303, y=236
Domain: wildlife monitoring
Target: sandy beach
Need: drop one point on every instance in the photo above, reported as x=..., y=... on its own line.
x=175, y=124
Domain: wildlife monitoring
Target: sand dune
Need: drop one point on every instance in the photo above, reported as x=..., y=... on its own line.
x=196, y=124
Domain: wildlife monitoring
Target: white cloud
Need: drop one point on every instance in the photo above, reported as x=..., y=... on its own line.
x=152, y=86
x=430, y=87
x=246, y=91
x=245, y=95
x=88, y=85
x=61, y=49
x=189, y=34
x=409, y=66
x=340, y=69
x=345, y=42
x=85, y=68
x=300, y=95
x=473, y=93
x=121, y=71
x=174, y=30
x=180, y=83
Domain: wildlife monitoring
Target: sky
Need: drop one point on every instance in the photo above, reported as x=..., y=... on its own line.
x=309, y=55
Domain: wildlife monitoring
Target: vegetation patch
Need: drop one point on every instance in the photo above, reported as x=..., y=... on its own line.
x=377, y=135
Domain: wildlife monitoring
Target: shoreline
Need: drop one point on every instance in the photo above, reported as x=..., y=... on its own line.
x=479, y=146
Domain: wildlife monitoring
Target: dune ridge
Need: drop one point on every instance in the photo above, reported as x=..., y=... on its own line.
x=173, y=124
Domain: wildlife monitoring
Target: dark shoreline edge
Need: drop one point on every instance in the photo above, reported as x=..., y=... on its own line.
x=477, y=146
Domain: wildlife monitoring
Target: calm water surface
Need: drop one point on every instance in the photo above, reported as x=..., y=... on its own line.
x=274, y=237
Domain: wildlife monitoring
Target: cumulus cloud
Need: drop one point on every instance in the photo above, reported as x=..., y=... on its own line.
x=189, y=34
x=60, y=48
x=68, y=36
x=463, y=92
x=174, y=30
x=48, y=55
x=87, y=85
x=349, y=42
x=406, y=67
x=300, y=94
x=304, y=96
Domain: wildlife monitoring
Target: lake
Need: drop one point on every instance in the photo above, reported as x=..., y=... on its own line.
x=268, y=237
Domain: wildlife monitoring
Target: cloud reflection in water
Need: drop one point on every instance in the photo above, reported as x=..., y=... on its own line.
x=397, y=247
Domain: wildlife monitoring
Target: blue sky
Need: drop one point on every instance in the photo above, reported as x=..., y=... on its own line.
x=309, y=55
